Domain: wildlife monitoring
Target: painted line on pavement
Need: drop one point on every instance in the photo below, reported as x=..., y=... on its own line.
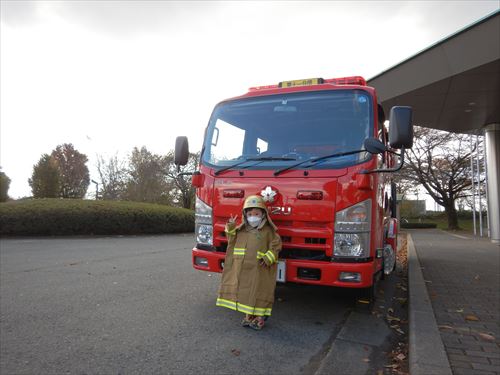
x=456, y=235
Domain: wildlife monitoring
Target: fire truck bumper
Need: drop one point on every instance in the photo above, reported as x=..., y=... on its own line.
x=345, y=275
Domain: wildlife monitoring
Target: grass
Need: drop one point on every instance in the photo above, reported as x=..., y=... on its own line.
x=466, y=225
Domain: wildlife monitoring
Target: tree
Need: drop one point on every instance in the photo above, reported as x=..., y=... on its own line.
x=181, y=191
x=147, y=177
x=45, y=180
x=74, y=174
x=440, y=162
x=403, y=185
x=113, y=174
x=4, y=187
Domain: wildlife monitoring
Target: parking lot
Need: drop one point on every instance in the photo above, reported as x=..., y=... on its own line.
x=120, y=305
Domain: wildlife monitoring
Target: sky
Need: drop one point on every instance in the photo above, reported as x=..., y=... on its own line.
x=108, y=76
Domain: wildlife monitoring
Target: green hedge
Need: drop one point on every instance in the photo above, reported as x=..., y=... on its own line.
x=418, y=225
x=41, y=217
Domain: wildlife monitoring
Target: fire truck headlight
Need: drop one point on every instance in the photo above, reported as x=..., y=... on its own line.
x=352, y=231
x=203, y=223
x=350, y=244
x=204, y=234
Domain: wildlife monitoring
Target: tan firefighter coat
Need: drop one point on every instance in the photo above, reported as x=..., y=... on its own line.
x=246, y=285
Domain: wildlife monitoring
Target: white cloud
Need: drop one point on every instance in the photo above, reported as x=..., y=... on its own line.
x=129, y=74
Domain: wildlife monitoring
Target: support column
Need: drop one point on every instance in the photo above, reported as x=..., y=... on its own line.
x=492, y=142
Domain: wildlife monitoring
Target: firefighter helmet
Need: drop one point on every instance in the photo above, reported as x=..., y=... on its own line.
x=254, y=201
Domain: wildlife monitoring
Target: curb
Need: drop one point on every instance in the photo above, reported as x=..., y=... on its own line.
x=426, y=349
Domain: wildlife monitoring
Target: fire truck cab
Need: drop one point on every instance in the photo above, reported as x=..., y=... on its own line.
x=319, y=154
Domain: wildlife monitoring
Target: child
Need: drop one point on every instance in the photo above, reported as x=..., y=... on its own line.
x=249, y=276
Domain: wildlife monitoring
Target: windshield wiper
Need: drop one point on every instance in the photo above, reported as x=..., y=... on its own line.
x=315, y=160
x=265, y=158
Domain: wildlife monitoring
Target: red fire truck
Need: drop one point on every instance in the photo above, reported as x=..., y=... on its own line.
x=319, y=154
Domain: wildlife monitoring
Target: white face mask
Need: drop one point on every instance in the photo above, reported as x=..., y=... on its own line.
x=254, y=221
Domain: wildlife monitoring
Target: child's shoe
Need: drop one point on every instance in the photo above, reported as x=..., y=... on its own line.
x=247, y=320
x=257, y=323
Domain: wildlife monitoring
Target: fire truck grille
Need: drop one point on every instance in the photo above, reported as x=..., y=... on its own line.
x=303, y=254
x=311, y=240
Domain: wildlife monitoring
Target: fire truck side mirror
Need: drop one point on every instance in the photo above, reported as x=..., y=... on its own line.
x=181, y=154
x=401, y=127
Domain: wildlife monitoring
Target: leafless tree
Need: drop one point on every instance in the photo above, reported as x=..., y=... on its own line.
x=113, y=175
x=440, y=162
x=181, y=190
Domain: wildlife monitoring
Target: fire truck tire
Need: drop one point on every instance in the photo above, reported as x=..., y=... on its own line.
x=383, y=276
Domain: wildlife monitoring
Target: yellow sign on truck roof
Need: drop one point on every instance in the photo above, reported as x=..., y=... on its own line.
x=302, y=82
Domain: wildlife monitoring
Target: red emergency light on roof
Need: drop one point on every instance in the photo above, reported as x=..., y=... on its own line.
x=354, y=80
x=268, y=87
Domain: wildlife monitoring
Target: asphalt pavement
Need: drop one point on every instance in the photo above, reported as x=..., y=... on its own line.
x=122, y=305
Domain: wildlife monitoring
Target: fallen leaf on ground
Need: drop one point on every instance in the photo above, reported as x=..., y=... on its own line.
x=472, y=318
x=366, y=360
x=401, y=356
x=391, y=310
x=487, y=337
x=392, y=366
x=460, y=310
x=477, y=277
x=445, y=327
x=400, y=331
x=391, y=318
x=235, y=352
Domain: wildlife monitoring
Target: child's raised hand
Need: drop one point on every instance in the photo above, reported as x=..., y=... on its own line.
x=232, y=220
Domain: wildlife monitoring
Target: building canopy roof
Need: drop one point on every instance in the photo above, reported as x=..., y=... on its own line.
x=453, y=85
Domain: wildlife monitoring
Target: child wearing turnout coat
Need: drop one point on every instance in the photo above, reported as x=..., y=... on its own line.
x=249, y=276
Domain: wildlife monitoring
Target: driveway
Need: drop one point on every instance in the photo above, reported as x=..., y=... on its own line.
x=119, y=305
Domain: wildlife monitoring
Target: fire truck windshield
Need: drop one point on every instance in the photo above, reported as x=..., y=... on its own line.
x=279, y=131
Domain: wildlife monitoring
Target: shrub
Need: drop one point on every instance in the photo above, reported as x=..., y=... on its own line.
x=40, y=217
